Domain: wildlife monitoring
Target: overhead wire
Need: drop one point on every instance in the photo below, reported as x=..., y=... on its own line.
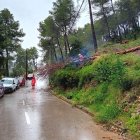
x=77, y=14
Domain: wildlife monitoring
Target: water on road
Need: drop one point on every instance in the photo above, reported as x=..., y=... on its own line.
x=35, y=114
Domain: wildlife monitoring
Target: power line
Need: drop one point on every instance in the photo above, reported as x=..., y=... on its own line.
x=77, y=14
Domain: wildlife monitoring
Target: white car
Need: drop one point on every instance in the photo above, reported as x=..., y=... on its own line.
x=9, y=84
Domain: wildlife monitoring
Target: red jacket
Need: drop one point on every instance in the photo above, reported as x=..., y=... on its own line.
x=33, y=81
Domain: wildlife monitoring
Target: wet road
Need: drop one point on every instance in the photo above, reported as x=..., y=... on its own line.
x=29, y=114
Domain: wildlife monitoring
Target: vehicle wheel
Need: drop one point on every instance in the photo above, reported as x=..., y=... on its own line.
x=13, y=90
x=3, y=95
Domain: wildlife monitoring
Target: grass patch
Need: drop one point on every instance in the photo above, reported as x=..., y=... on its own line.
x=132, y=123
x=108, y=113
x=114, y=92
x=111, y=47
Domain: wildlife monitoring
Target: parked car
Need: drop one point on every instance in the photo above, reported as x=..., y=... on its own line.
x=30, y=76
x=1, y=89
x=22, y=81
x=9, y=84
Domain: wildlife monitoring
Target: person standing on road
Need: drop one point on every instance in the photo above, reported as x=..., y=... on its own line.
x=33, y=82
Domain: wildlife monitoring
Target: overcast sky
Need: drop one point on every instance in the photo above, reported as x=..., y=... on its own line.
x=29, y=13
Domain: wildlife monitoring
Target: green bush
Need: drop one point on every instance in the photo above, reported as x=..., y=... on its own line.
x=65, y=79
x=132, y=124
x=98, y=98
x=85, y=75
x=126, y=84
x=109, y=68
x=131, y=60
x=70, y=94
x=108, y=113
x=101, y=93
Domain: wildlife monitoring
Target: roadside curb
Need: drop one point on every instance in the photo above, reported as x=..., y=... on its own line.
x=119, y=130
x=84, y=109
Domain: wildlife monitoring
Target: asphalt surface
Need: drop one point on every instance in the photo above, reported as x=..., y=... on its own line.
x=35, y=114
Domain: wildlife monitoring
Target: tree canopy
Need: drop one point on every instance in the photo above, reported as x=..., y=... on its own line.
x=113, y=21
x=10, y=36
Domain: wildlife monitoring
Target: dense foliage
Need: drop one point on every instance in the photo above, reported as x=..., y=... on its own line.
x=20, y=61
x=113, y=21
x=10, y=35
x=109, y=88
x=106, y=69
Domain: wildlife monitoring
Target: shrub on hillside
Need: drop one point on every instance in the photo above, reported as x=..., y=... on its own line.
x=65, y=79
x=85, y=75
x=108, y=69
x=126, y=84
x=108, y=113
x=101, y=93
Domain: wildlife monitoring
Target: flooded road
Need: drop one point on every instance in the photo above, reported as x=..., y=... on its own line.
x=34, y=114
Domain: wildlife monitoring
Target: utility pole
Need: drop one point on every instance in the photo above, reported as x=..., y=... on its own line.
x=92, y=27
x=26, y=64
x=7, y=62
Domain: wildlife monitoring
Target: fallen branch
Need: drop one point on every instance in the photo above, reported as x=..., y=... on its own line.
x=129, y=50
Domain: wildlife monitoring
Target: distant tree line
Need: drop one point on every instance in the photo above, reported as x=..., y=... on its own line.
x=118, y=20
x=11, y=52
x=115, y=21
x=31, y=54
x=10, y=35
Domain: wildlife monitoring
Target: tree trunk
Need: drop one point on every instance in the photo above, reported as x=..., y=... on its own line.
x=138, y=24
x=135, y=28
x=92, y=28
x=53, y=50
x=134, y=24
x=124, y=29
x=106, y=20
x=58, y=42
x=55, y=55
x=65, y=43
x=120, y=35
x=66, y=39
x=34, y=63
x=52, y=56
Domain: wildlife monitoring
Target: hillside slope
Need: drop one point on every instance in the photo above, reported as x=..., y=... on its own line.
x=108, y=86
